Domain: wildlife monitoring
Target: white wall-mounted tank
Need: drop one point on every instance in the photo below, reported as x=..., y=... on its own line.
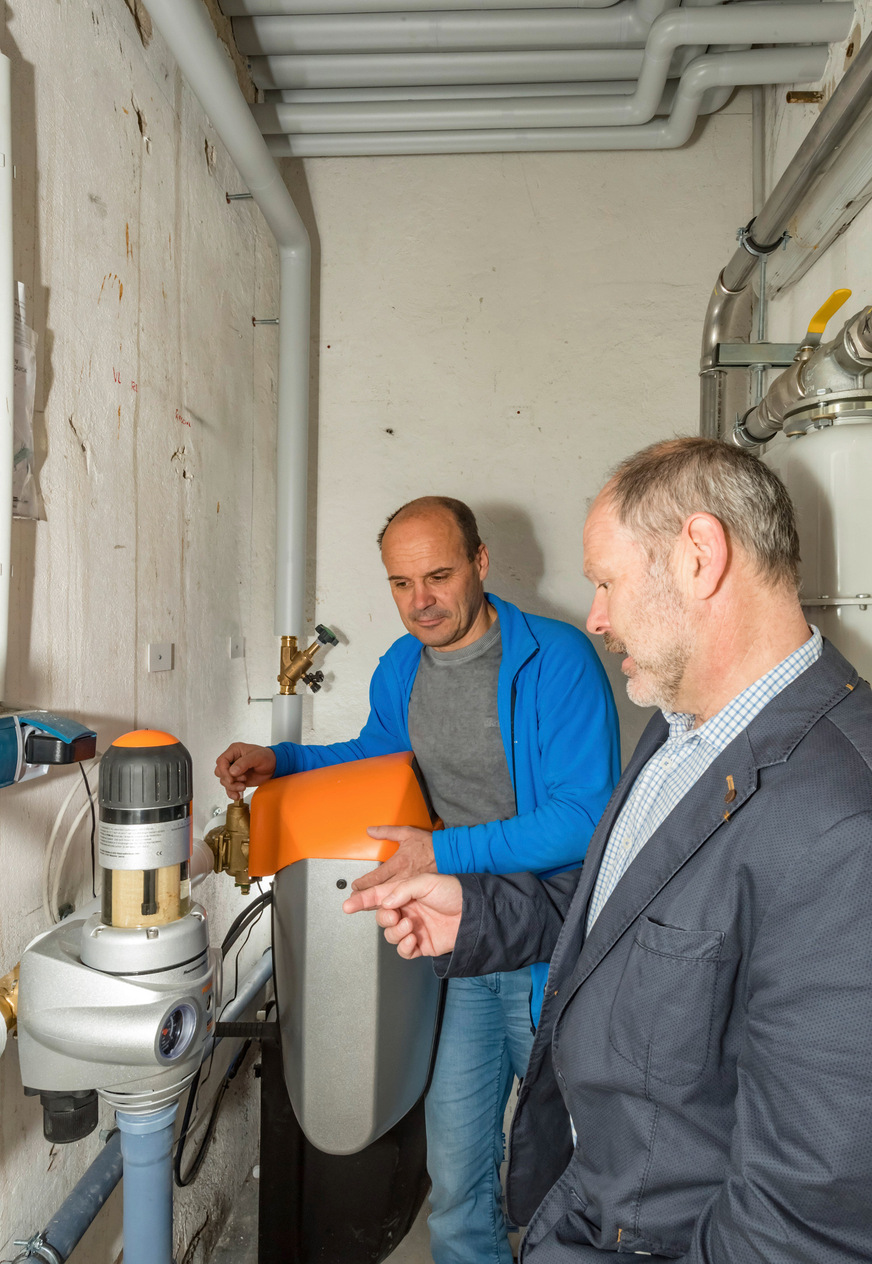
x=826, y=472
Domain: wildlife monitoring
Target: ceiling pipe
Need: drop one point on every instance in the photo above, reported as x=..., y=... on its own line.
x=383, y=70
x=766, y=24
x=624, y=25
x=280, y=8
x=190, y=35
x=7, y=358
x=629, y=24
x=724, y=394
x=269, y=125
x=778, y=65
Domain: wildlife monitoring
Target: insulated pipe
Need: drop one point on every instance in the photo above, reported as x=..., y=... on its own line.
x=624, y=25
x=147, y=1189
x=266, y=8
x=542, y=29
x=420, y=69
x=729, y=313
x=779, y=65
x=188, y=30
x=7, y=373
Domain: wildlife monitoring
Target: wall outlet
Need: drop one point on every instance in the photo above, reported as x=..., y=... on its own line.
x=237, y=646
x=160, y=656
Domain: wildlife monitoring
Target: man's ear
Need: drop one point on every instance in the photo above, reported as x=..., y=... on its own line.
x=706, y=554
x=483, y=562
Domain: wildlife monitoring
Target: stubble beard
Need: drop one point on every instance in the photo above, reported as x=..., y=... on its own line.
x=659, y=673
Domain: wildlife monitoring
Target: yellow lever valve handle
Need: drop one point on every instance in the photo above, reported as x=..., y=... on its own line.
x=818, y=322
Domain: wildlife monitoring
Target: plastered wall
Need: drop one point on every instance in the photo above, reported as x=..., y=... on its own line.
x=503, y=329
x=155, y=440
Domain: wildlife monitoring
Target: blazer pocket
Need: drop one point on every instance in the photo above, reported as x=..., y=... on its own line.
x=663, y=1010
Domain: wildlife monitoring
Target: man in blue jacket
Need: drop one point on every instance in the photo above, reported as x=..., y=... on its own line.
x=513, y=725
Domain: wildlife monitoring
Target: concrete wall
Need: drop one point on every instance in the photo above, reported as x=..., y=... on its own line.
x=155, y=438
x=503, y=329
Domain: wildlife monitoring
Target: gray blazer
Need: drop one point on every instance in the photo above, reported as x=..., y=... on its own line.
x=712, y=1037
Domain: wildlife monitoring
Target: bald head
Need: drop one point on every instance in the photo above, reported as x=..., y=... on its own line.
x=439, y=506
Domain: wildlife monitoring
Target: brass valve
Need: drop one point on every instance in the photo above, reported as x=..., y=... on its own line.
x=296, y=664
x=229, y=845
x=9, y=999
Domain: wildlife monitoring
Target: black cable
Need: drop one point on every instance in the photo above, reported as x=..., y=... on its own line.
x=93, y=831
x=247, y=920
x=251, y=912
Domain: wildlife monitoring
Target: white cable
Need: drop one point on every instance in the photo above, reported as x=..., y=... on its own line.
x=59, y=868
x=47, y=908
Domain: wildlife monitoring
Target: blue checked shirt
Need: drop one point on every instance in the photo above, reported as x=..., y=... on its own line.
x=672, y=770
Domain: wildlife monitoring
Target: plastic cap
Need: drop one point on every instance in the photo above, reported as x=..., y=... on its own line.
x=146, y=737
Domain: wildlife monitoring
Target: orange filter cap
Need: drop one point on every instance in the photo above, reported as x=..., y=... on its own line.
x=146, y=737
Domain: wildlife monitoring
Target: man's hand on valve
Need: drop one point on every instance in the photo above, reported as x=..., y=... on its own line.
x=413, y=855
x=420, y=915
x=243, y=765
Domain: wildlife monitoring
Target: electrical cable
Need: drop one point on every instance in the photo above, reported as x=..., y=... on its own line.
x=246, y=921
x=51, y=917
x=93, y=830
x=59, y=868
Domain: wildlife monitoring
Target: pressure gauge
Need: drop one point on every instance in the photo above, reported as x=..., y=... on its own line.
x=176, y=1033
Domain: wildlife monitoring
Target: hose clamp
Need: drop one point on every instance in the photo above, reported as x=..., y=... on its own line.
x=37, y=1248
x=746, y=241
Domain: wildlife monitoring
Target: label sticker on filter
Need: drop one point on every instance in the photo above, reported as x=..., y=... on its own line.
x=151, y=846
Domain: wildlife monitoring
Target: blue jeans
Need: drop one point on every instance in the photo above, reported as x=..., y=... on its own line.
x=485, y=1042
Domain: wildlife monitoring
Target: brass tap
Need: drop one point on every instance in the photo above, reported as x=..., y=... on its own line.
x=296, y=664
x=229, y=845
x=9, y=999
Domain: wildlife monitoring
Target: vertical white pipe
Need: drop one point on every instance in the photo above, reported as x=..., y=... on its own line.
x=7, y=372
x=188, y=30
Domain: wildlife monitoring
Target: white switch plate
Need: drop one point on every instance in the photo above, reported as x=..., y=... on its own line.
x=237, y=646
x=160, y=656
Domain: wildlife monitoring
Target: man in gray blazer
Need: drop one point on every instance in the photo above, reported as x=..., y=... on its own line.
x=700, y=1087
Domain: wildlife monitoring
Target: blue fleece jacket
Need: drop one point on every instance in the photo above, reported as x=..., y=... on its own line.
x=560, y=732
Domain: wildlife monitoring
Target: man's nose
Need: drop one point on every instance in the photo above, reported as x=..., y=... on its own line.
x=598, y=619
x=422, y=597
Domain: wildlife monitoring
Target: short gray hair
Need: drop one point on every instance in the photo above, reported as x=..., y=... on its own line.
x=656, y=490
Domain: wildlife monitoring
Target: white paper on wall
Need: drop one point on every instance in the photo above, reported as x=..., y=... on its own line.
x=25, y=499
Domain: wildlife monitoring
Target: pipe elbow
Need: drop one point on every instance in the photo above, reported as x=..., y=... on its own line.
x=667, y=32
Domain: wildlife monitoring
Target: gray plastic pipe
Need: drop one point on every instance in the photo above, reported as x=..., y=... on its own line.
x=624, y=25
x=779, y=65
x=147, y=1156
x=6, y=363
x=632, y=24
x=266, y=8
x=188, y=30
x=768, y=24
x=742, y=23
x=380, y=70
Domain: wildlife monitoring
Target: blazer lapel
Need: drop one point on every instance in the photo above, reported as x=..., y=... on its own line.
x=698, y=815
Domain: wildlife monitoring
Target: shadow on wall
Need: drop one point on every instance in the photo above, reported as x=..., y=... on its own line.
x=517, y=569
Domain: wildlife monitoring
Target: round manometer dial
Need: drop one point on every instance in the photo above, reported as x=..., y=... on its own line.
x=177, y=1032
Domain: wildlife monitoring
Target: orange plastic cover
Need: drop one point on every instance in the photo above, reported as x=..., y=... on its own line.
x=323, y=814
x=146, y=737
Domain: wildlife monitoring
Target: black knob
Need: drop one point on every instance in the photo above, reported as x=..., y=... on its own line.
x=325, y=636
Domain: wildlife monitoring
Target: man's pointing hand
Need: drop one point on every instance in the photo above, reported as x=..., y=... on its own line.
x=420, y=915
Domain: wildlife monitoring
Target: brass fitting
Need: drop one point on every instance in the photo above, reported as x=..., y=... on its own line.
x=229, y=845
x=9, y=999
x=296, y=664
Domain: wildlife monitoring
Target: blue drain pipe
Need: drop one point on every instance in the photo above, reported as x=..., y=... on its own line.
x=147, y=1151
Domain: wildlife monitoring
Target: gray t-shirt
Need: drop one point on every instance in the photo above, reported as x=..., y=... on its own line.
x=455, y=732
